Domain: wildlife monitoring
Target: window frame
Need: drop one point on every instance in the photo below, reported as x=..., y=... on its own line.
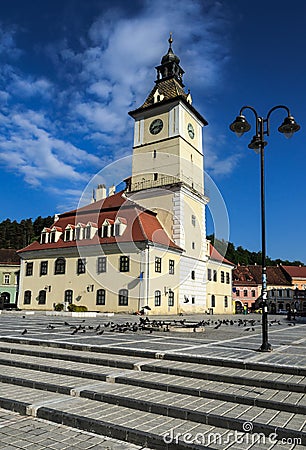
x=42, y=297
x=100, y=297
x=170, y=298
x=124, y=263
x=60, y=266
x=123, y=297
x=29, y=269
x=81, y=266
x=157, y=298
x=43, y=268
x=68, y=296
x=171, y=266
x=27, y=297
x=101, y=264
x=158, y=262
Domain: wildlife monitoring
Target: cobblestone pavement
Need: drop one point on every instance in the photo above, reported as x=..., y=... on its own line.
x=128, y=390
x=28, y=433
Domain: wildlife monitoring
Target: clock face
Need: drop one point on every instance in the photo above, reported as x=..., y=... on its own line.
x=156, y=126
x=190, y=130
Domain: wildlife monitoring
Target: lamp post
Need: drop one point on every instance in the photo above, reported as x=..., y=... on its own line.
x=258, y=143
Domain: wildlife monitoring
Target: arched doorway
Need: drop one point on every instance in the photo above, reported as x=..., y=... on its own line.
x=5, y=298
x=238, y=307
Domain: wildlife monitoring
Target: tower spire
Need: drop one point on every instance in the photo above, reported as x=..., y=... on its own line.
x=170, y=65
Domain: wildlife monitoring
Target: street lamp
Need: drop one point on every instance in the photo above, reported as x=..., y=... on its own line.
x=258, y=143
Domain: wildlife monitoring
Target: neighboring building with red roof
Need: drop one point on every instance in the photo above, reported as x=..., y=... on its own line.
x=9, y=277
x=247, y=288
x=297, y=275
x=144, y=246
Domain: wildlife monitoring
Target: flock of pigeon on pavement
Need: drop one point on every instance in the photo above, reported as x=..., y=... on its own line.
x=153, y=325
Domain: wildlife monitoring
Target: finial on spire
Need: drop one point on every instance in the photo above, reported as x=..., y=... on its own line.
x=170, y=40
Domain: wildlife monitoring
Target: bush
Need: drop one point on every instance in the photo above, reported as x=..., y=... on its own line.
x=77, y=308
x=59, y=307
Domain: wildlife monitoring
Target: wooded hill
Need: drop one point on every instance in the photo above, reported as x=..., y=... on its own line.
x=20, y=234
x=242, y=256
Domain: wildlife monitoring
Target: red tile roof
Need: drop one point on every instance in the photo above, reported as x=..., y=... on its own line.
x=142, y=225
x=9, y=256
x=252, y=275
x=216, y=256
x=295, y=271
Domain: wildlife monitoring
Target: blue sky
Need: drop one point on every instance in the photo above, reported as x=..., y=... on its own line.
x=71, y=70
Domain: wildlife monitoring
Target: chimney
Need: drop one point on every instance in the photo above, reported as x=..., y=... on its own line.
x=100, y=192
x=111, y=190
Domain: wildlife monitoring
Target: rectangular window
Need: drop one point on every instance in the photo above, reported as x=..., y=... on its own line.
x=43, y=268
x=225, y=302
x=193, y=274
x=29, y=269
x=193, y=300
x=213, y=301
x=124, y=264
x=222, y=276
x=238, y=293
x=193, y=220
x=155, y=176
x=245, y=293
x=157, y=264
x=215, y=275
x=42, y=297
x=123, y=299
x=171, y=298
x=227, y=278
x=154, y=154
x=171, y=266
x=101, y=264
x=209, y=274
x=7, y=278
x=27, y=297
x=87, y=232
x=253, y=293
x=81, y=265
x=280, y=293
x=157, y=298
x=100, y=298
x=67, y=235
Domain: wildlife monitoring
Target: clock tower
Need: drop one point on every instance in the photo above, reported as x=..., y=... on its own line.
x=168, y=174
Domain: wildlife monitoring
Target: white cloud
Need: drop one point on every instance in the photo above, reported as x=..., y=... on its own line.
x=111, y=72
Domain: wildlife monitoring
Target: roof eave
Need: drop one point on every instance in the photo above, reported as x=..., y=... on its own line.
x=140, y=110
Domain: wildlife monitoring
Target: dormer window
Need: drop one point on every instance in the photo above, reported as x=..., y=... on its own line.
x=158, y=97
x=120, y=226
x=107, y=228
x=79, y=231
x=44, y=238
x=55, y=234
x=69, y=233
x=90, y=230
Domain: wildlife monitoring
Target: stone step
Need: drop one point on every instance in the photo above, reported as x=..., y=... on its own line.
x=84, y=364
x=118, y=422
x=211, y=360
x=263, y=398
x=220, y=413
